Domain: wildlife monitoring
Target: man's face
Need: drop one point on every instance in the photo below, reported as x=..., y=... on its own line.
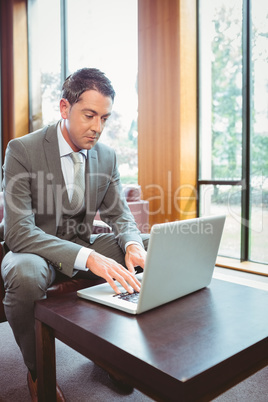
x=85, y=120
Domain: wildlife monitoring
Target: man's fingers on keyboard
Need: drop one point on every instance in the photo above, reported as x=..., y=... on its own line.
x=112, y=283
x=131, y=279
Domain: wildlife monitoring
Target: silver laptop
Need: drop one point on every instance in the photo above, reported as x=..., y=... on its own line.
x=180, y=260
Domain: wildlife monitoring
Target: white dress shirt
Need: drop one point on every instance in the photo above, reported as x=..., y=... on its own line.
x=67, y=168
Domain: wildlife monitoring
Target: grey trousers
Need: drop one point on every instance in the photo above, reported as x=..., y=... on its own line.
x=26, y=279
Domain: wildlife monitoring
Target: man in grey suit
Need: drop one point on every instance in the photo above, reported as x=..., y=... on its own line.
x=50, y=203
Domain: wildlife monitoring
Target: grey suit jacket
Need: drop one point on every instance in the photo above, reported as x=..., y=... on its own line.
x=33, y=184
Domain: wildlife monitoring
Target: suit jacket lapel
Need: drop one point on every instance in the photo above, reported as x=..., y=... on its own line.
x=51, y=148
x=91, y=184
x=54, y=168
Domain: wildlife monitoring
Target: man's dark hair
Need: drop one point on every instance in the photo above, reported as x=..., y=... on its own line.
x=83, y=80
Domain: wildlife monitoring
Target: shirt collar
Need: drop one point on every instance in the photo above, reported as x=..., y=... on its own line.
x=64, y=147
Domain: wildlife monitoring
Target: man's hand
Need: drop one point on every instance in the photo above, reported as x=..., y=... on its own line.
x=109, y=269
x=135, y=256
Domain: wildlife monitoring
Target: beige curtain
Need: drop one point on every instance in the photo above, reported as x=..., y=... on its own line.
x=167, y=107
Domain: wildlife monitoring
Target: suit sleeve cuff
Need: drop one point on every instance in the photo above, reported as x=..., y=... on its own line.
x=132, y=242
x=81, y=259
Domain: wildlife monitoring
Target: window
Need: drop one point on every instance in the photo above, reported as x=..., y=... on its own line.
x=87, y=33
x=45, y=62
x=233, y=123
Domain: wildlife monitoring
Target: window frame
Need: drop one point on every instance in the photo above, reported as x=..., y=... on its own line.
x=245, y=264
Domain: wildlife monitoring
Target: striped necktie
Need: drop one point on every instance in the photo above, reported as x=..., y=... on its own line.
x=79, y=181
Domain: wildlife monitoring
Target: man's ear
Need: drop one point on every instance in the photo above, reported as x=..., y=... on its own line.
x=64, y=108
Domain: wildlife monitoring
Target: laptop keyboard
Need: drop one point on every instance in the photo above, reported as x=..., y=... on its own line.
x=131, y=297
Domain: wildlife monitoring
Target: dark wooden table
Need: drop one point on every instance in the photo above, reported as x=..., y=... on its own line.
x=189, y=350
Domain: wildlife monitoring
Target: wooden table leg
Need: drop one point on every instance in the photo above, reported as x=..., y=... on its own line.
x=46, y=362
